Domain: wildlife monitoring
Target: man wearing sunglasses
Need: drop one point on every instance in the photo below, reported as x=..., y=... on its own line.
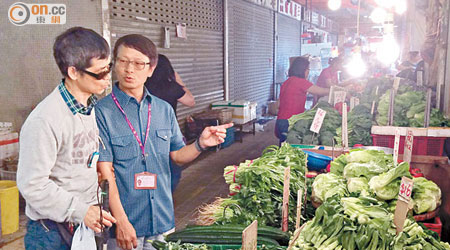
x=59, y=146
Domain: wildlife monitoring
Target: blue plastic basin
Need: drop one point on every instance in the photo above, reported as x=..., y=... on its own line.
x=317, y=162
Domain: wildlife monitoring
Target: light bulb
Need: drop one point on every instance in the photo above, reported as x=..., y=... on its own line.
x=334, y=4
x=378, y=15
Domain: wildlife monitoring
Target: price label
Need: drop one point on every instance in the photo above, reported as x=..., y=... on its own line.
x=250, y=236
x=331, y=95
x=339, y=96
x=405, y=189
x=396, y=144
x=354, y=101
x=299, y=208
x=285, y=211
x=318, y=120
x=396, y=83
x=407, y=152
x=344, y=126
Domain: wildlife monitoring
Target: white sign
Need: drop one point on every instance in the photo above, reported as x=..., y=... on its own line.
x=21, y=13
x=354, y=101
x=396, y=144
x=318, y=120
x=181, y=30
x=290, y=8
x=339, y=96
x=396, y=83
x=344, y=126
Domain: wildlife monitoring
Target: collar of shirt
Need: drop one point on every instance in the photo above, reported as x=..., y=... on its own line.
x=73, y=104
x=124, y=99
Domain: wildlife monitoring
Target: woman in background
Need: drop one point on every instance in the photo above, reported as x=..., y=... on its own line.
x=293, y=95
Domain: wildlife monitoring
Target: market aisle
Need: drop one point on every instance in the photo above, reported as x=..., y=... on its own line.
x=203, y=180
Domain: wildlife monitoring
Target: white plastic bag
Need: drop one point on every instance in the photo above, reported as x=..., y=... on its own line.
x=84, y=238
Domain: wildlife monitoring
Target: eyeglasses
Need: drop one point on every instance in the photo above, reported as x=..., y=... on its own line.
x=138, y=65
x=100, y=75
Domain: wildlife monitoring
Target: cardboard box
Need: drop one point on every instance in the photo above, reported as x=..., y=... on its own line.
x=243, y=111
x=9, y=145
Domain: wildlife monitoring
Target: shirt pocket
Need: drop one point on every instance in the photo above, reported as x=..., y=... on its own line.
x=163, y=137
x=124, y=147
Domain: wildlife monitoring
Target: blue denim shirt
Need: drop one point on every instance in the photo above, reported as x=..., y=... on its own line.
x=149, y=211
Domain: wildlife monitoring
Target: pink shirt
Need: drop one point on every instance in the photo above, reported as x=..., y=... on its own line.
x=326, y=74
x=293, y=97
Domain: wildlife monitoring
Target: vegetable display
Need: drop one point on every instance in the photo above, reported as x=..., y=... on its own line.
x=361, y=223
x=256, y=190
x=299, y=125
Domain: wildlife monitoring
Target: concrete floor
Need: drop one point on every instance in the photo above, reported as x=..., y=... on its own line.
x=202, y=181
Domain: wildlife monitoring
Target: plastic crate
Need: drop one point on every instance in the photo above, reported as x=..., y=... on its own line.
x=436, y=226
x=229, y=139
x=421, y=145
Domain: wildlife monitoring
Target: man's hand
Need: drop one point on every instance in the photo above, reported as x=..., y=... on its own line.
x=212, y=136
x=126, y=235
x=92, y=219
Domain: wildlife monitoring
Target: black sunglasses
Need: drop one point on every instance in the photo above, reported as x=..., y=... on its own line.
x=100, y=75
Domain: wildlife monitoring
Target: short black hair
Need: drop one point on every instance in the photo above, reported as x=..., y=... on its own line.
x=139, y=43
x=299, y=67
x=77, y=46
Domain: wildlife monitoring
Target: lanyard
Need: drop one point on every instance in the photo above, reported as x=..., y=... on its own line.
x=141, y=145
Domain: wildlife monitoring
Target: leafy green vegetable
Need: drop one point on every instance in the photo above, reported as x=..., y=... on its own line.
x=358, y=185
x=328, y=185
x=386, y=185
x=299, y=125
x=426, y=195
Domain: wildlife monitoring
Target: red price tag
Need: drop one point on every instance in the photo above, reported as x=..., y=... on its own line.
x=405, y=189
x=408, y=146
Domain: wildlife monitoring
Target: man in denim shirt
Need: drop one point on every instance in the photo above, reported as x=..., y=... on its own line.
x=140, y=133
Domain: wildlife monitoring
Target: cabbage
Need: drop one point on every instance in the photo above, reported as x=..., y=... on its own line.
x=367, y=170
x=361, y=156
x=358, y=185
x=386, y=185
x=426, y=195
x=327, y=185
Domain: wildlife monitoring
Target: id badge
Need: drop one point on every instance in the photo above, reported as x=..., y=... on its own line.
x=93, y=159
x=145, y=180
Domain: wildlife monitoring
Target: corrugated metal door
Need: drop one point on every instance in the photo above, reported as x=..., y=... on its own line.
x=288, y=44
x=198, y=59
x=250, y=51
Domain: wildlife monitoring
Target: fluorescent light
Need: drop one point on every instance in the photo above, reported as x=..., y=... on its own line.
x=400, y=6
x=356, y=67
x=388, y=50
x=378, y=15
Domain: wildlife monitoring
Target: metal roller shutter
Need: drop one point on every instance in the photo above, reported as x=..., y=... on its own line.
x=198, y=59
x=288, y=44
x=250, y=51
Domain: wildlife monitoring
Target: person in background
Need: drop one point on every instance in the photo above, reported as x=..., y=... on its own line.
x=408, y=68
x=59, y=143
x=293, y=95
x=141, y=133
x=166, y=84
x=329, y=76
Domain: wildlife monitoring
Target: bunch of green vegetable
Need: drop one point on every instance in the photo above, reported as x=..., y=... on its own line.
x=409, y=109
x=361, y=223
x=300, y=124
x=359, y=126
x=159, y=245
x=328, y=185
x=260, y=193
